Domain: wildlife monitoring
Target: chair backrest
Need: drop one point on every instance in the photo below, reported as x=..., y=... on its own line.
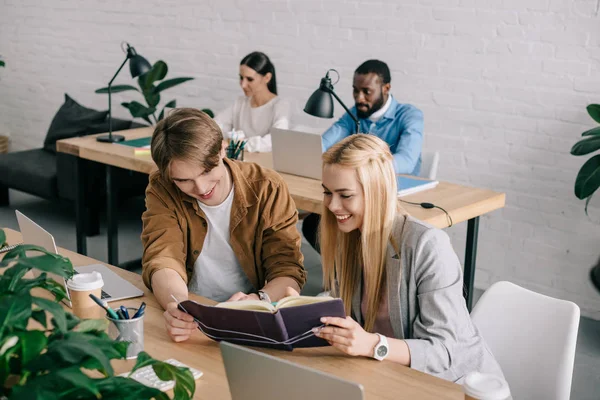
x=533, y=338
x=429, y=165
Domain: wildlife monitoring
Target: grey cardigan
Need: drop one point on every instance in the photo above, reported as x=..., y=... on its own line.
x=426, y=304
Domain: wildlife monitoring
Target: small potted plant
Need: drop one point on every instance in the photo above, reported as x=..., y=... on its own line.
x=41, y=359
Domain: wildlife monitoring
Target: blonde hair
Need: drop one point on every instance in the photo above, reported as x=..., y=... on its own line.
x=186, y=134
x=346, y=255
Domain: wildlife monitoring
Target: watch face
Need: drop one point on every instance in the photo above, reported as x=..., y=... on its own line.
x=382, y=351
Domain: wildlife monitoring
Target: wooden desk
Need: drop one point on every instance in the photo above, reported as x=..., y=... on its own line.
x=463, y=203
x=381, y=380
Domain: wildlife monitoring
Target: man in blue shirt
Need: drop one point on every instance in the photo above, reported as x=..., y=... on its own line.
x=399, y=125
x=379, y=114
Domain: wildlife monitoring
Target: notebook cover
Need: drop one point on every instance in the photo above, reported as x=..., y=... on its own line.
x=300, y=319
x=408, y=186
x=140, y=142
x=217, y=320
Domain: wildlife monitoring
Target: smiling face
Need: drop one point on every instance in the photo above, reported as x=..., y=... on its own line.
x=343, y=195
x=252, y=82
x=210, y=188
x=369, y=94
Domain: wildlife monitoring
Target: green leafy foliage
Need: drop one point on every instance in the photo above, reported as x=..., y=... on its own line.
x=53, y=362
x=588, y=177
x=151, y=84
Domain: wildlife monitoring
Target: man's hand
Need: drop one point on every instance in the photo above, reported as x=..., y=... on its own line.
x=180, y=325
x=243, y=296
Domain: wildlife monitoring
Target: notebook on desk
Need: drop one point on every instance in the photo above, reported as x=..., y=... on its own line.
x=285, y=326
x=408, y=185
x=115, y=287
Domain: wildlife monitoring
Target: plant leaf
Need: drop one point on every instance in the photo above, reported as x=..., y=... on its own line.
x=171, y=104
x=77, y=347
x=209, y=112
x=138, y=110
x=2, y=238
x=118, y=387
x=592, y=132
x=55, y=309
x=587, y=203
x=169, y=83
x=88, y=325
x=2, y=63
x=117, y=89
x=40, y=316
x=32, y=344
x=586, y=146
x=588, y=178
x=14, y=312
x=152, y=97
x=157, y=72
x=594, y=111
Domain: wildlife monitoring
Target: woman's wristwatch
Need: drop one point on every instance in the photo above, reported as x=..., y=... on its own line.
x=264, y=296
x=381, y=349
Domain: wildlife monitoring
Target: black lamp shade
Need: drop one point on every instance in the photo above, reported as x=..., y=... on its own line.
x=320, y=104
x=138, y=65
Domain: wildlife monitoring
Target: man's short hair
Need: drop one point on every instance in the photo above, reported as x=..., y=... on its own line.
x=189, y=135
x=375, y=67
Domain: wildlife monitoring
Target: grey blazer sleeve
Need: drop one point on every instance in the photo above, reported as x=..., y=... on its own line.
x=443, y=336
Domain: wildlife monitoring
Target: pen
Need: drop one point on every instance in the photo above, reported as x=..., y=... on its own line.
x=125, y=312
x=109, y=311
x=120, y=314
x=140, y=311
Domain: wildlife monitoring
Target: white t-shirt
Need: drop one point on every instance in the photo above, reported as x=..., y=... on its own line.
x=217, y=272
x=255, y=122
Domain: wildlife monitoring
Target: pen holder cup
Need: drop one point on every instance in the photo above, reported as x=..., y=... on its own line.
x=128, y=330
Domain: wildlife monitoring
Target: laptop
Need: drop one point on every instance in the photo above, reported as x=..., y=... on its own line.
x=297, y=153
x=255, y=375
x=115, y=287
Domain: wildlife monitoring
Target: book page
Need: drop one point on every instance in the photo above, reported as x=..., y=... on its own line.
x=252, y=305
x=293, y=301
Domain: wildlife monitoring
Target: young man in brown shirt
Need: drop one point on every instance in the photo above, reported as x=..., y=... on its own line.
x=219, y=228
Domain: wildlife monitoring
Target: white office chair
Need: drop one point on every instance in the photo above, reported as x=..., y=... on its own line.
x=533, y=338
x=429, y=165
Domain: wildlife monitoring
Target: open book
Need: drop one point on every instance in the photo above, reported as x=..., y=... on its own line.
x=286, y=325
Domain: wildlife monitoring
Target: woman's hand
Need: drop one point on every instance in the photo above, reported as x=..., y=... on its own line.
x=180, y=325
x=348, y=336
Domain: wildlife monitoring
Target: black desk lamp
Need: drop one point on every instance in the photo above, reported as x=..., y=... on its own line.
x=320, y=103
x=138, y=65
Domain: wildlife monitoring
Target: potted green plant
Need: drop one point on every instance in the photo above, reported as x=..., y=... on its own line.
x=41, y=359
x=588, y=178
x=151, y=89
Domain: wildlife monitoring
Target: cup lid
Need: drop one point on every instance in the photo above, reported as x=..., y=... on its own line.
x=486, y=386
x=88, y=281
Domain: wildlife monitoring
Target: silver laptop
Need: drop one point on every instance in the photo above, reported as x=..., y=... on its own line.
x=255, y=375
x=115, y=287
x=297, y=153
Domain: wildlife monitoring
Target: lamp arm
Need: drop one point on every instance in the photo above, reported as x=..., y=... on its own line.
x=109, y=97
x=345, y=108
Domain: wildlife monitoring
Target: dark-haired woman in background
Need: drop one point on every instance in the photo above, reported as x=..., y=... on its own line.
x=260, y=109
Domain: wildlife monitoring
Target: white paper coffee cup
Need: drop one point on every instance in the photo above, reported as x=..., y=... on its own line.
x=478, y=386
x=80, y=287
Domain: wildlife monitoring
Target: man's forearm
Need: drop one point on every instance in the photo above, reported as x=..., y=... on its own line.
x=167, y=282
x=276, y=288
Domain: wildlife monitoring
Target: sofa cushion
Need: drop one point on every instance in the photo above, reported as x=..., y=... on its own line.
x=31, y=171
x=72, y=119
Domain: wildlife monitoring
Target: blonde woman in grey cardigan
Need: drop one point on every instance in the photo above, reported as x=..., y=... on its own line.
x=399, y=278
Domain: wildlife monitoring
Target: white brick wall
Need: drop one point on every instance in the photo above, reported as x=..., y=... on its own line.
x=503, y=85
